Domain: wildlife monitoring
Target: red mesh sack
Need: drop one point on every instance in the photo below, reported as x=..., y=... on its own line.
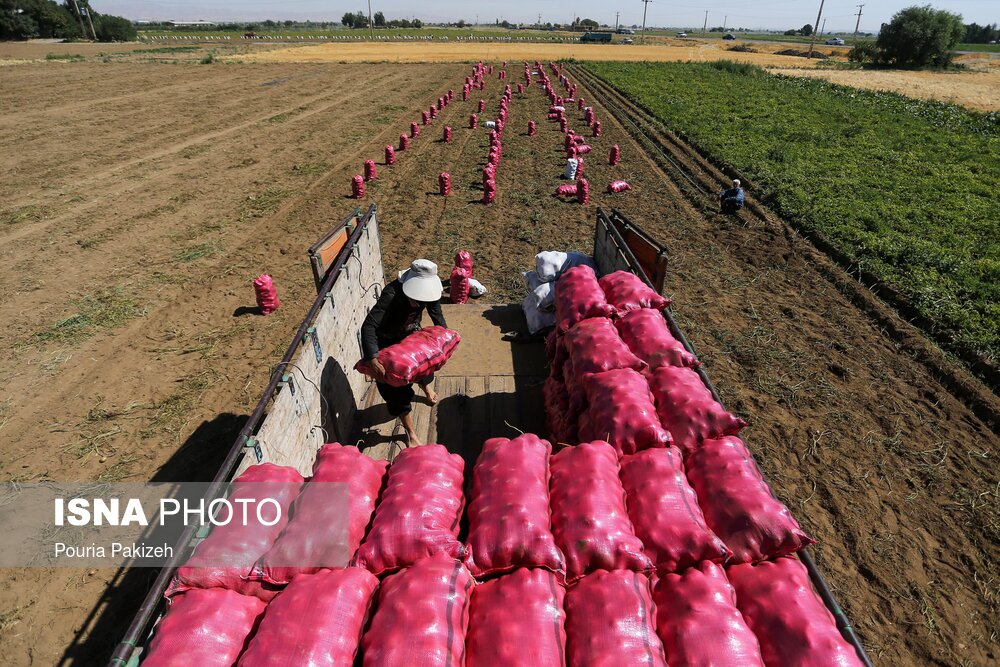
x=340, y=473
x=266, y=294
x=447, y=134
x=583, y=149
x=422, y=617
x=489, y=191
x=626, y=292
x=404, y=142
x=738, y=503
x=370, y=172
x=227, y=556
x=316, y=621
x=459, y=285
x=793, y=626
x=482, y=106
x=532, y=125
x=417, y=356
x=595, y=347
x=615, y=156
x=517, y=621
x=444, y=183
x=697, y=619
x=665, y=513
x=358, y=186
x=473, y=121
x=579, y=296
x=618, y=186
x=557, y=411
x=414, y=130
x=425, y=117
x=610, y=622
x=687, y=409
x=509, y=518
x=419, y=512
x=583, y=187
x=647, y=335
x=463, y=259
x=390, y=154
x=567, y=190
x=589, y=519
x=596, y=127
x=440, y=103
x=579, y=174
x=208, y=628
x=622, y=412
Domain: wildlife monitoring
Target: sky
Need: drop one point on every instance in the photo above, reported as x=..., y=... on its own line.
x=766, y=14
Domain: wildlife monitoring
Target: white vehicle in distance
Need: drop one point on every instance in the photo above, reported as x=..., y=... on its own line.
x=835, y=41
x=681, y=34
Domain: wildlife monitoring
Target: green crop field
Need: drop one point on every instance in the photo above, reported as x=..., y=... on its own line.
x=907, y=188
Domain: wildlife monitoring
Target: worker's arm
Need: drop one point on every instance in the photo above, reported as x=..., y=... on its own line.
x=437, y=316
x=369, y=329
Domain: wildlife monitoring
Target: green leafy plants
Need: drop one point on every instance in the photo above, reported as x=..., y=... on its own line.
x=907, y=189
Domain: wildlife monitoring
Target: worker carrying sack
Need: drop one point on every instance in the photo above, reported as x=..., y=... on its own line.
x=316, y=621
x=517, y=621
x=610, y=622
x=208, y=628
x=418, y=356
x=665, y=513
x=621, y=412
x=226, y=558
x=646, y=333
x=329, y=516
x=688, y=410
x=791, y=622
x=738, y=504
x=510, y=524
x=589, y=519
x=422, y=616
x=419, y=512
x=697, y=619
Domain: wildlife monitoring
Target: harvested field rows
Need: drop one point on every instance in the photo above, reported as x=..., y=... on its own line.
x=215, y=175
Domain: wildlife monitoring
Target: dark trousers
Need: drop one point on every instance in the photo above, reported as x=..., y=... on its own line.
x=399, y=400
x=731, y=206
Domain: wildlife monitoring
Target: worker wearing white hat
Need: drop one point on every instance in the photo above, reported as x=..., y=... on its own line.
x=396, y=315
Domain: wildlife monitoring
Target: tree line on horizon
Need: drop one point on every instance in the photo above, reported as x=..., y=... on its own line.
x=30, y=19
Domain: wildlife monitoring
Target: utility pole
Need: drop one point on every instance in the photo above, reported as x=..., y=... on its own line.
x=79, y=17
x=645, y=6
x=823, y=31
x=704, y=30
x=812, y=41
x=725, y=22
x=371, y=24
x=858, y=24
x=617, y=14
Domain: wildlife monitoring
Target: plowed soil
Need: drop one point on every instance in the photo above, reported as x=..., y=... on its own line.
x=140, y=200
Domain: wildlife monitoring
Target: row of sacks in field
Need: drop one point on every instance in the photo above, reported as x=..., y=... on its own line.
x=576, y=558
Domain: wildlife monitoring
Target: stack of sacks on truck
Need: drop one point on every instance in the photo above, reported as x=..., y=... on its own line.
x=727, y=587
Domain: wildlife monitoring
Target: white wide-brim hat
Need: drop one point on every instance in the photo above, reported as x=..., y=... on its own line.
x=421, y=282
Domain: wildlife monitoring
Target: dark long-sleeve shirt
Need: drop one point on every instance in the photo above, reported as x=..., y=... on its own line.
x=393, y=318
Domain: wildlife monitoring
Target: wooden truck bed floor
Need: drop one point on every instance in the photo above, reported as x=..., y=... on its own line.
x=489, y=388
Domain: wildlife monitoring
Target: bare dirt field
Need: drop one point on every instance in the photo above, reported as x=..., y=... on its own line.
x=139, y=200
x=472, y=52
x=976, y=89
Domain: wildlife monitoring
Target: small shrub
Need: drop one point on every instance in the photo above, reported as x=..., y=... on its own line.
x=208, y=59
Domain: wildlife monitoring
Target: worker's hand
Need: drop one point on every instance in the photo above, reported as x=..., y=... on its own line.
x=378, y=370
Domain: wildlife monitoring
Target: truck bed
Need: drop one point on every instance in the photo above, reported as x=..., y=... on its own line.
x=490, y=388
